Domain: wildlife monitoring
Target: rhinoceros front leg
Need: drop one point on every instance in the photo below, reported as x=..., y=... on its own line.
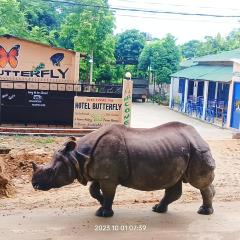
x=171, y=194
x=94, y=190
x=108, y=189
x=207, y=196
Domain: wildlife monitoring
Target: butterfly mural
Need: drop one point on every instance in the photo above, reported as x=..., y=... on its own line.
x=9, y=57
x=57, y=58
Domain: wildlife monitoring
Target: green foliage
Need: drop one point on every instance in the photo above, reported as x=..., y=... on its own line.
x=90, y=31
x=160, y=98
x=41, y=34
x=129, y=46
x=40, y=13
x=145, y=57
x=211, y=45
x=190, y=49
x=233, y=40
x=43, y=140
x=12, y=20
x=162, y=57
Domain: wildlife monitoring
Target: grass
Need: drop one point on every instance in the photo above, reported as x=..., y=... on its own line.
x=45, y=140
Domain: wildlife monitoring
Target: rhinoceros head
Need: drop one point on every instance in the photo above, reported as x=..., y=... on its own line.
x=62, y=170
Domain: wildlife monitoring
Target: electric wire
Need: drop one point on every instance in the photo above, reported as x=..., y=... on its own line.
x=143, y=10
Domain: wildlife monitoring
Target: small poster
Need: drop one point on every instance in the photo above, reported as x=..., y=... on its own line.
x=37, y=98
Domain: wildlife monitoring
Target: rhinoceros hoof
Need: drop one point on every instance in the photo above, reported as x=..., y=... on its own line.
x=101, y=212
x=205, y=210
x=160, y=208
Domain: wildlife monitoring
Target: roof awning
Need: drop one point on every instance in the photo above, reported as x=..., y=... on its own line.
x=206, y=72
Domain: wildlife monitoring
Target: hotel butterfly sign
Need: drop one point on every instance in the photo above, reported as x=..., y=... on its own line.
x=94, y=112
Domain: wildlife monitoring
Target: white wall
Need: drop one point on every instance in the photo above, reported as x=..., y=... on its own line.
x=175, y=88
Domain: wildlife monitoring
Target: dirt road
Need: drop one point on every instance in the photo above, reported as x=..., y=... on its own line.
x=68, y=213
x=130, y=222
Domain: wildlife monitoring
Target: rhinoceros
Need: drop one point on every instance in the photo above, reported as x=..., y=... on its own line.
x=162, y=157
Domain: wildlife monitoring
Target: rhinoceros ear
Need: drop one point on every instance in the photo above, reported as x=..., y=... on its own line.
x=72, y=138
x=70, y=146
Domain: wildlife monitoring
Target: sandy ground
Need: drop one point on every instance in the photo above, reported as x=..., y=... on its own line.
x=129, y=222
x=68, y=213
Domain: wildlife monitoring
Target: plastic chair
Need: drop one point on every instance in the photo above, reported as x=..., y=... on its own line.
x=199, y=107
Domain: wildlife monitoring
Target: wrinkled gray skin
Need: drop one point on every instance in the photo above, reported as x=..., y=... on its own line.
x=144, y=159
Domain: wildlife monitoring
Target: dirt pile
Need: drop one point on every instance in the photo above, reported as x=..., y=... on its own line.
x=19, y=162
x=6, y=187
x=16, y=167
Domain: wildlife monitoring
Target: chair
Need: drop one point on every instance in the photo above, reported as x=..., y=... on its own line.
x=199, y=107
x=220, y=108
x=211, y=110
x=188, y=109
x=222, y=112
x=181, y=106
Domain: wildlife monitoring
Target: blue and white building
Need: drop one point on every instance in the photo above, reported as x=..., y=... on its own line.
x=209, y=85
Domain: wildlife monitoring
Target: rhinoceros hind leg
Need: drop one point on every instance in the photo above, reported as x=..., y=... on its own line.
x=94, y=190
x=108, y=189
x=207, y=196
x=171, y=194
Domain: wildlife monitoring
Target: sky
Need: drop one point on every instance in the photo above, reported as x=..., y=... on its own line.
x=184, y=28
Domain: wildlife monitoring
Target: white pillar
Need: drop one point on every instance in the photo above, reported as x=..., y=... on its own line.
x=171, y=93
x=230, y=102
x=216, y=90
x=195, y=89
x=185, y=95
x=205, y=98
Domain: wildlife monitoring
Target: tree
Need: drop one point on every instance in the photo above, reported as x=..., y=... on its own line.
x=41, y=34
x=89, y=30
x=190, y=49
x=41, y=14
x=211, y=45
x=163, y=57
x=145, y=57
x=129, y=46
x=12, y=19
x=233, y=40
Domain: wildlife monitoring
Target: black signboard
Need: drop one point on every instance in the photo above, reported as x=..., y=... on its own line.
x=36, y=107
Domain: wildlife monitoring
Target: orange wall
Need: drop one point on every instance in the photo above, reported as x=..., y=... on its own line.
x=31, y=55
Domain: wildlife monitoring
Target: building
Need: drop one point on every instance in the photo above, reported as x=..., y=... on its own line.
x=38, y=83
x=209, y=86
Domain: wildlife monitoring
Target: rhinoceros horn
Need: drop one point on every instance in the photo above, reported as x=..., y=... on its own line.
x=35, y=166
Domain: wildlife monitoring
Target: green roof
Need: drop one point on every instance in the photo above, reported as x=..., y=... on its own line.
x=206, y=72
x=226, y=56
x=188, y=63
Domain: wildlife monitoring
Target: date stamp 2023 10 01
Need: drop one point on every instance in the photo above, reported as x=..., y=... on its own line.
x=121, y=227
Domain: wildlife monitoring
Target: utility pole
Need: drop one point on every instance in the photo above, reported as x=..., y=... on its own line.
x=91, y=68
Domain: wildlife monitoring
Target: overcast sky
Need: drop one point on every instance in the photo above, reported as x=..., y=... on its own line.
x=184, y=28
